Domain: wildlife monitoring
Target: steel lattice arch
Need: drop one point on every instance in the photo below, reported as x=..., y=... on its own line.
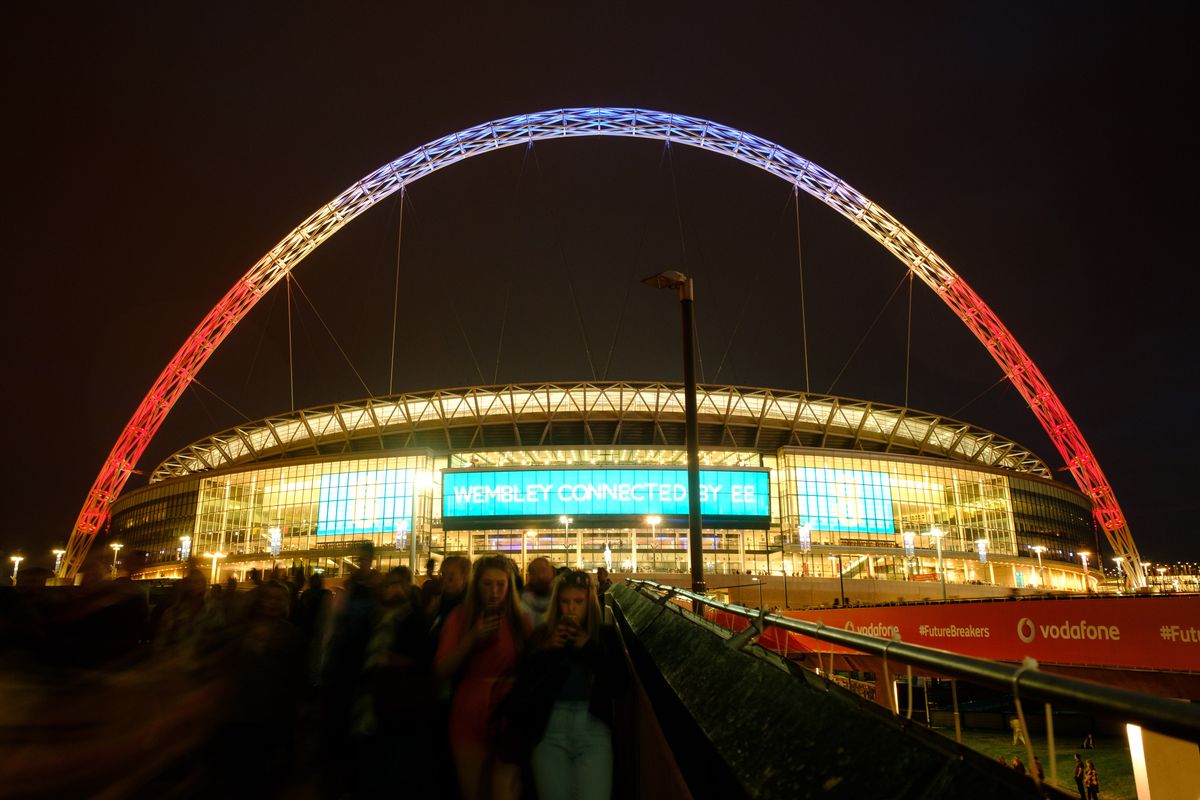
x=636, y=123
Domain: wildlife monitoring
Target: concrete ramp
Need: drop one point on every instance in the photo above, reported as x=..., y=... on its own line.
x=744, y=723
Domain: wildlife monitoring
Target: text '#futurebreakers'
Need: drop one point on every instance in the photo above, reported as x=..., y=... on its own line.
x=954, y=632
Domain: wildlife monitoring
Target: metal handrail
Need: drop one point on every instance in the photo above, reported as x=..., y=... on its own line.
x=1171, y=717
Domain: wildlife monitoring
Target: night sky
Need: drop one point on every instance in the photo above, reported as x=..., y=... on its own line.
x=155, y=152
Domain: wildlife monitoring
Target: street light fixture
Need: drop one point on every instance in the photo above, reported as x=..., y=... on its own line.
x=16, y=562
x=1120, y=568
x=653, y=521
x=214, y=557
x=937, y=535
x=58, y=553
x=116, y=548
x=566, y=523
x=1083, y=555
x=1039, y=549
x=673, y=279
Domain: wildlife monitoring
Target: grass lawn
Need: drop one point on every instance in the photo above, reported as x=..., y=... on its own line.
x=1111, y=757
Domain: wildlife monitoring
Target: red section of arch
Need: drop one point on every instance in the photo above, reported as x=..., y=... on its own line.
x=1042, y=400
x=171, y=383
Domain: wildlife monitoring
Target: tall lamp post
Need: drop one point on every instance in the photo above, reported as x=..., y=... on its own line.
x=841, y=578
x=566, y=523
x=1120, y=569
x=214, y=556
x=16, y=562
x=1083, y=554
x=116, y=548
x=58, y=554
x=653, y=521
x=673, y=279
x=937, y=535
x=1039, y=549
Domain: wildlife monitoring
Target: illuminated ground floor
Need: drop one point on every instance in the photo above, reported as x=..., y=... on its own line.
x=943, y=503
x=642, y=553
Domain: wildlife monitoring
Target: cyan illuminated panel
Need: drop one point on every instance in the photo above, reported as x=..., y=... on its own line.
x=845, y=500
x=477, y=494
x=371, y=501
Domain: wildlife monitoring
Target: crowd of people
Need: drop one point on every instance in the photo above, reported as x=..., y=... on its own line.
x=480, y=682
x=1087, y=780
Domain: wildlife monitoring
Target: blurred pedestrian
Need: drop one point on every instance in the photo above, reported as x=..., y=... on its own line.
x=455, y=572
x=479, y=648
x=536, y=595
x=1091, y=780
x=573, y=757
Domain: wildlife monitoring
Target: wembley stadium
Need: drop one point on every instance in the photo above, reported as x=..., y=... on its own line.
x=594, y=474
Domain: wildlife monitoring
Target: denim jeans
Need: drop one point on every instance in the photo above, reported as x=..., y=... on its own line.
x=574, y=758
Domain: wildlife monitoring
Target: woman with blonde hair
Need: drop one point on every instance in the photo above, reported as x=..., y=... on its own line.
x=481, y=643
x=573, y=662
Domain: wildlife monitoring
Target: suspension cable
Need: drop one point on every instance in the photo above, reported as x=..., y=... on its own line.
x=566, y=267
x=854, y=352
x=291, y=363
x=512, y=272
x=234, y=408
x=908, y=340
x=800, y=264
x=396, y=293
x=261, y=338
x=333, y=338
x=684, y=254
x=678, y=212
x=462, y=330
x=964, y=406
x=738, y=324
x=629, y=277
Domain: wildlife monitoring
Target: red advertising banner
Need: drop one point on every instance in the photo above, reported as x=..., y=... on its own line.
x=1154, y=633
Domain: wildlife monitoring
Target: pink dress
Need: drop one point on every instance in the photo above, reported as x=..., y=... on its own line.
x=486, y=676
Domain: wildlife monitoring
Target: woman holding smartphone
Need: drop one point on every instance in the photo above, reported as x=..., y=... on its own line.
x=574, y=757
x=481, y=643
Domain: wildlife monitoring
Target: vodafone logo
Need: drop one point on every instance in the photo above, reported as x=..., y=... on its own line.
x=874, y=629
x=1079, y=631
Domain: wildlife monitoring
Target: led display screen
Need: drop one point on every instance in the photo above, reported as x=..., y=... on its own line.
x=846, y=500
x=617, y=491
x=371, y=501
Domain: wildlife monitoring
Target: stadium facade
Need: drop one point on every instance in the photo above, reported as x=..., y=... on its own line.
x=594, y=474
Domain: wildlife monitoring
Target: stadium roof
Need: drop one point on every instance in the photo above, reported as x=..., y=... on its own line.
x=598, y=414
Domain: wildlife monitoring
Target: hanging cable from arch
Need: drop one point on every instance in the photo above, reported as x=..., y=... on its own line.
x=562, y=255
x=644, y=217
x=870, y=328
x=230, y=405
x=512, y=272
x=800, y=264
x=332, y=338
x=684, y=254
x=396, y=293
x=738, y=324
x=954, y=414
x=261, y=337
x=908, y=340
x=291, y=363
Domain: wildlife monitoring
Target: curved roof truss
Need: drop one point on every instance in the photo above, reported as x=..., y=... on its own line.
x=609, y=414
